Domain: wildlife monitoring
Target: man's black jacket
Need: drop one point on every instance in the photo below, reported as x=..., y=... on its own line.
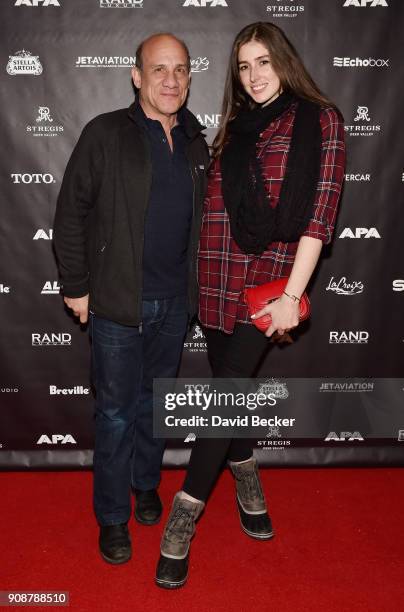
x=100, y=214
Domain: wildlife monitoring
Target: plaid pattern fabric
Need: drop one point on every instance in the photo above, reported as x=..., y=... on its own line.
x=223, y=269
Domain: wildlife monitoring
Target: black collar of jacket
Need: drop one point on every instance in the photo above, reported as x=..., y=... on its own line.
x=189, y=122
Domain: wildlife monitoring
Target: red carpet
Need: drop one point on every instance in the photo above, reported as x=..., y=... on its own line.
x=339, y=545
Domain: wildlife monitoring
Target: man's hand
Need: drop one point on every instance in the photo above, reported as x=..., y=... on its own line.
x=79, y=307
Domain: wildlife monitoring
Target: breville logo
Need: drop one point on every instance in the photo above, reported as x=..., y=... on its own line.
x=42, y=234
x=345, y=436
x=28, y=178
x=23, y=62
x=359, y=232
x=105, y=61
x=51, y=288
x=346, y=387
x=350, y=337
x=365, y=3
x=78, y=390
x=4, y=288
x=199, y=64
x=52, y=339
x=209, y=121
x=357, y=62
x=56, y=439
x=44, y=124
x=342, y=287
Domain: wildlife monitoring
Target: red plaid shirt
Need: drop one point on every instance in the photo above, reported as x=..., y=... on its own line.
x=223, y=269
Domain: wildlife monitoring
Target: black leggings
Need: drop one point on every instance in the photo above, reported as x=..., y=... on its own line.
x=231, y=356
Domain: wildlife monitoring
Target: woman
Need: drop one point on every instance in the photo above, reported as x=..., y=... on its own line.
x=272, y=198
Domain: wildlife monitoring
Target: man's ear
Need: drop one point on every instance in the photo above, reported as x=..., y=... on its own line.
x=136, y=77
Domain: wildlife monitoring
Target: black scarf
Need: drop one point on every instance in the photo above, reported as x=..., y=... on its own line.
x=254, y=222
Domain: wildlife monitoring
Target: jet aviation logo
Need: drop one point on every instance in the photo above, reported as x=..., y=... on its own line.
x=23, y=62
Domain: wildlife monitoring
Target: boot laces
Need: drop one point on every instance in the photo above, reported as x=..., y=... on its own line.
x=180, y=524
x=249, y=485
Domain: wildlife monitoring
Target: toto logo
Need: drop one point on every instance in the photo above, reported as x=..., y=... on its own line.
x=52, y=339
x=23, y=62
x=342, y=287
x=28, y=178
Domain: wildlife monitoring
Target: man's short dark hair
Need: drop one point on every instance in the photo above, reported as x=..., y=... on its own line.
x=139, y=50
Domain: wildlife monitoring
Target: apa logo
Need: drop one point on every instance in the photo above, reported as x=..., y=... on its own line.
x=4, y=288
x=56, y=439
x=51, y=288
x=201, y=3
x=365, y=3
x=341, y=287
x=199, y=64
x=209, y=121
x=359, y=232
x=191, y=437
x=398, y=284
x=52, y=339
x=42, y=234
x=350, y=337
x=28, y=178
x=23, y=62
x=37, y=3
x=345, y=436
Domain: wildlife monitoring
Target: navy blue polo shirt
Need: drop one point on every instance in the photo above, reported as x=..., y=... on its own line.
x=169, y=213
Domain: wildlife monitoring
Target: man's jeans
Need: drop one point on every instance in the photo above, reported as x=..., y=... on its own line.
x=124, y=362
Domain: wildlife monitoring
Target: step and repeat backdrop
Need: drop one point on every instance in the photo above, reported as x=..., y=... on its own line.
x=65, y=61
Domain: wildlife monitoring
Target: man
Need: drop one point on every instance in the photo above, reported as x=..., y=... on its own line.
x=126, y=234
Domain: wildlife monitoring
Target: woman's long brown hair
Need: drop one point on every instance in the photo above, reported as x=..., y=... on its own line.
x=285, y=61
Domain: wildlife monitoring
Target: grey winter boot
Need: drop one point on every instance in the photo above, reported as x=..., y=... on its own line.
x=251, y=501
x=172, y=568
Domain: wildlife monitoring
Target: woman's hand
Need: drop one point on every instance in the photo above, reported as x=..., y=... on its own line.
x=284, y=314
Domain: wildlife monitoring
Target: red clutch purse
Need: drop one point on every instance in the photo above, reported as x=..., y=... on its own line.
x=258, y=297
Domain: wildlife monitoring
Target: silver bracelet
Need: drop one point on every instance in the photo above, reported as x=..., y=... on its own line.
x=292, y=297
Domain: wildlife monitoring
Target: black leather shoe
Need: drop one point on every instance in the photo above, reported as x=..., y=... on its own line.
x=257, y=526
x=171, y=573
x=148, y=507
x=114, y=543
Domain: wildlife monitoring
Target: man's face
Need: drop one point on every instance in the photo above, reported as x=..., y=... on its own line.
x=163, y=80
